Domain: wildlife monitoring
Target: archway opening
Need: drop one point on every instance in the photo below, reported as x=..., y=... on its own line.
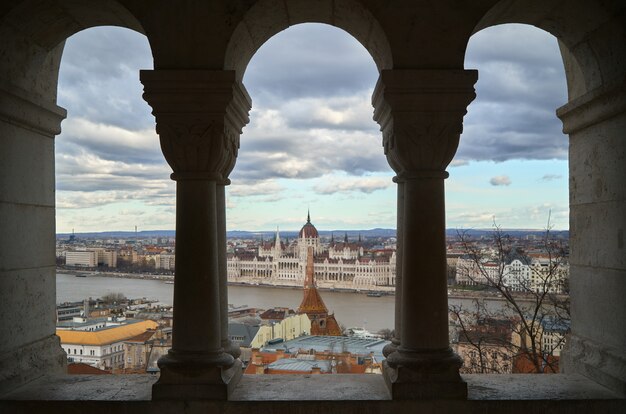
x=111, y=180
x=312, y=145
x=508, y=195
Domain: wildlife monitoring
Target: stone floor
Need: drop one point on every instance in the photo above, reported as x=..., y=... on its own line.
x=314, y=394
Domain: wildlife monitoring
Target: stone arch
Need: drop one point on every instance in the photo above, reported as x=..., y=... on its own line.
x=268, y=17
x=33, y=35
x=591, y=37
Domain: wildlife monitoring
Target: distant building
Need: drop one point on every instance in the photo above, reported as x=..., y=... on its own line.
x=550, y=336
x=91, y=258
x=319, y=355
x=485, y=346
x=518, y=272
x=165, y=262
x=289, y=327
x=342, y=265
x=141, y=349
x=553, y=335
x=106, y=257
x=68, y=311
x=99, y=342
x=242, y=334
x=81, y=258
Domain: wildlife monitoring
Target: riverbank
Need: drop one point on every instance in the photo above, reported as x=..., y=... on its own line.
x=452, y=293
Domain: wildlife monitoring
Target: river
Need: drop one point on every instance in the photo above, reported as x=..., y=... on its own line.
x=351, y=309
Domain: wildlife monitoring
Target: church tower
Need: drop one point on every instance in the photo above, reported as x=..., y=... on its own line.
x=312, y=304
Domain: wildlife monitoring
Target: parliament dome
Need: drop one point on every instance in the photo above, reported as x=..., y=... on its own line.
x=308, y=230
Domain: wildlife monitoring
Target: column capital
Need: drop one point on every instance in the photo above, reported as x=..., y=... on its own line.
x=200, y=115
x=420, y=113
x=594, y=107
x=21, y=108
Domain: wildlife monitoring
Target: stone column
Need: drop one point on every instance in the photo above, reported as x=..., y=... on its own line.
x=395, y=341
x=199, y=115
x=421, y=116
x=230, y=347
x=29, y=348
x=595, y=123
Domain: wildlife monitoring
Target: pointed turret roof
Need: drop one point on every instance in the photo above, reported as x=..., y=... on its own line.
x=312, y=301
x=277, y=241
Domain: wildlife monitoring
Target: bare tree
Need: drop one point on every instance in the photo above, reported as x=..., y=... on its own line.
x=386, y=334
x=482, y=339
x=113, y=298
x=535, y=293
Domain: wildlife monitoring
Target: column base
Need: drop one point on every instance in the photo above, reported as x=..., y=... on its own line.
x=391, y=347
x=231, y=348
x=31, y=361
x=196, y=379
x=412, y=375
x=596, y=361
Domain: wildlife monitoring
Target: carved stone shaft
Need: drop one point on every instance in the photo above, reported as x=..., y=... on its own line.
x=199, y=115
x=421, y=116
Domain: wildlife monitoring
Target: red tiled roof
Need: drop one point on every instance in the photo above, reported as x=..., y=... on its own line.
x=80, y=368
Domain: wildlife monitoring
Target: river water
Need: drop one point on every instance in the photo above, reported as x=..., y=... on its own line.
x=351, y=309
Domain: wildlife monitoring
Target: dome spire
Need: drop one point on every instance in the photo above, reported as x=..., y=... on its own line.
x=308, y=215
x=308, y=230
x=277, y=242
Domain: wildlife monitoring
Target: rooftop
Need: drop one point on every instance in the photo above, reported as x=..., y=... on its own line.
x=106, y=336
x=358, y=346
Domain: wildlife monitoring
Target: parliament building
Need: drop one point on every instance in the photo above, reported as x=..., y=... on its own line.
x=337, y=265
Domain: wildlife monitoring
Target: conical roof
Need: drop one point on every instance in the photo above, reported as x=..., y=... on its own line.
x=311, y=301
x=308, y=230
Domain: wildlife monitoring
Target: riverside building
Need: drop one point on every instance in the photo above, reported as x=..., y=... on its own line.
x=338, y=265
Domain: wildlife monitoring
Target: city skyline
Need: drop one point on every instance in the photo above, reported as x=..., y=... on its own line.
x=511, y=163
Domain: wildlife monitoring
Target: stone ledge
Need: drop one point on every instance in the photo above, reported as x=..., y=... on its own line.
x=315, y=394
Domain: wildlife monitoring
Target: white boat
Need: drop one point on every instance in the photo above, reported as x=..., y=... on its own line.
x=361, y=333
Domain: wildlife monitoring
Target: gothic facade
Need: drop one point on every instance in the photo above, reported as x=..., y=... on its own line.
x=338, y=265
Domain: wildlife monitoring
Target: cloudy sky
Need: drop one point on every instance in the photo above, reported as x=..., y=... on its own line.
x=311, y=141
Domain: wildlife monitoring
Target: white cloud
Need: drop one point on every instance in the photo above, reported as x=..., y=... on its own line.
x=522, y=82
x=242, y=188
x=271, y=148
x=312, y=118
x=500, y=180
x=551, y=177
x=366, y=185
